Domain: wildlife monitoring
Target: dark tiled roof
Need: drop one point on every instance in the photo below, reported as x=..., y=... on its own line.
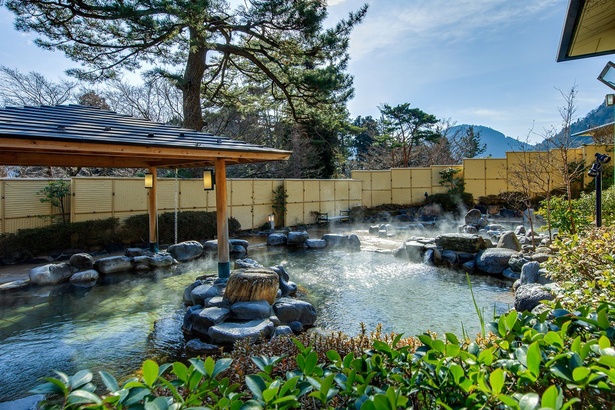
x=82, y=124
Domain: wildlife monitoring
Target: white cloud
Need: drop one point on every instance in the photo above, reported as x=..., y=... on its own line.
x=413, y=24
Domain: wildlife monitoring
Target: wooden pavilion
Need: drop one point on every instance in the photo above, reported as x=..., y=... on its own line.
x=80, y=136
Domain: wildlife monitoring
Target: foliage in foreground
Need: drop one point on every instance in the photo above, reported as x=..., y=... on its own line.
x=586, y=277
x=556, y=360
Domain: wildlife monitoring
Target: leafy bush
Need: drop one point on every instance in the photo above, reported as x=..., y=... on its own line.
x=553, y=360
x=454, y=203
x=587, y=277
x=26, y=243
x=191, y=225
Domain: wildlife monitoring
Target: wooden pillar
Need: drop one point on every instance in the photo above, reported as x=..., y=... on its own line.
x=224, y=265
x=153, y=212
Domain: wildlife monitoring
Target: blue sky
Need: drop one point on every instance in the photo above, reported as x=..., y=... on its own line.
x=483, y=62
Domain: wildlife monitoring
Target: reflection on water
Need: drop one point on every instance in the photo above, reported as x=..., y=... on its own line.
x=127, y=318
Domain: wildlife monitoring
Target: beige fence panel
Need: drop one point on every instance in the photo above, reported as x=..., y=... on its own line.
x=92, y=199
x=294, y=190
x=192, y=197
x=22, y=207
x=311, y=191
x=241, y=192
x=263, y=192
x=244, y=215
x=401, y=178
x=474, y=169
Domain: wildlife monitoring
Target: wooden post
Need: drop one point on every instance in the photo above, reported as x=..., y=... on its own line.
x=224, y=266
x=153, y=212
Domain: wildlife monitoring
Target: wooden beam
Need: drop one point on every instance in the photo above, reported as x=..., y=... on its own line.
x=138, y=151
x=224, y=266
x=152, y=212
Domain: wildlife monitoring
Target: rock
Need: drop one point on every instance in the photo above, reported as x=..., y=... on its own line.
x=239, y=242
x=414, y=251
x=252, y=284
x=507, y=213
x=89, y=275
x=132, y=252
x=528, y=296
x=449, y=257
x=231, y=332
x=113, y=264
x=297, y=239
x=469, y=267
x=202, y=292
x=287, y=288
x=470, y=229
x=282, y=331
x=210, y=246
x=460, y=242
x=186, y=251
x=275, y=320
x=296, y=326
x=374, y=229
x=342, y=241
x=277, y=239
x=472, y=217
x=81, y=261
x=291, y=310
x=161, y=260
x=257, y=309
x=544, y=249
x=516, y=262
x=217, y=301
x=203, y=319
x=508, y=240
x=142, y=262
x=529, y=273
x=237, y=250
x=482, y=222
x=316, y=243
x=50, y=274
x=511, y=274
x=520, y=230
x=540, y=257
x=494, y=260
x=187, y=323
x=246, y=263
x=187, y=296
x=543, y=277
x=197, y=347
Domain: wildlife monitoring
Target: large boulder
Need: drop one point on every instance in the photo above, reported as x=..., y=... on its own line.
x=257, y=309
x=198, y=347
x=247, y=263
x=186, y=251
x=85, y=276
x=472, y=217
x=230, y=332
x=351, y=241
x=161, y=260
x=509, y=240
x=277, y=239
x=113, y=264
x=203, y=319
x=294, y=310
x=50, y=274
x=529, y=273
x=461, y=242
x=203, y=292
x=297, y=239
x=81, y=261
x=528, y=296
x=316, y=243
x=494, y=260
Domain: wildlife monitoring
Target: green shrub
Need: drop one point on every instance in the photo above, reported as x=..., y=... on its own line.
x=191, y=225
x=553, y=360
x=86, y=235
x=455, y=203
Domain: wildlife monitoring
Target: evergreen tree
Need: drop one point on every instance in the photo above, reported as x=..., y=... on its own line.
x=204, y=46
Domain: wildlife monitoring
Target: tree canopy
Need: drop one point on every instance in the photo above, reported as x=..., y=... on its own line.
x=205, y=46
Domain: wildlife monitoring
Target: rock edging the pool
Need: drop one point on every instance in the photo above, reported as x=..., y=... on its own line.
x=221, y=311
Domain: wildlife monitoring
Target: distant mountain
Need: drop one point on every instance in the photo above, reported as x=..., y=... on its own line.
x=497, y=143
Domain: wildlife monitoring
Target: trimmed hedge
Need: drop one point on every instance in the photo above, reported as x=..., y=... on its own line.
x=191, y=225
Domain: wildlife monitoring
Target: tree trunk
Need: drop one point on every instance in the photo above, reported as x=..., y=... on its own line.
x=191, y=86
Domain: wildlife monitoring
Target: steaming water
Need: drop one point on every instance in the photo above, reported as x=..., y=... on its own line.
x=119, y=323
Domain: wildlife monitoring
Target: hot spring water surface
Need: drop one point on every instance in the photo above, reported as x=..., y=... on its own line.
x=119, y=323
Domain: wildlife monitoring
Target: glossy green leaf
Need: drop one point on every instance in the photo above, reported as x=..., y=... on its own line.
x=552, y=398
x=496, y=380
x=534, y=358
x=529, y=401
x=580, y=374
x=159, y=403
x=256, y=384
x=109, y=381
x=150, y=372
x=83, y=397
